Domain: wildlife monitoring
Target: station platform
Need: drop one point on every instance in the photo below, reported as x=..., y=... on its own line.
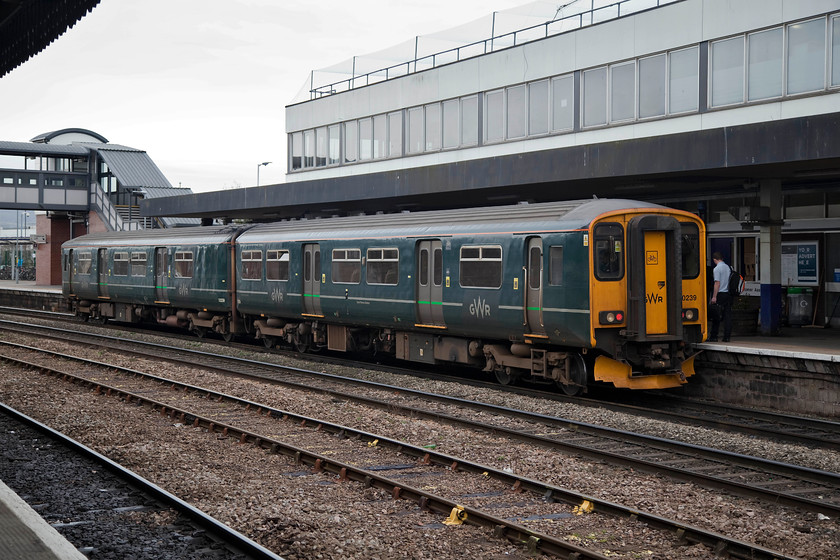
x=24, y=535
x=28, y=295
x=814, y=343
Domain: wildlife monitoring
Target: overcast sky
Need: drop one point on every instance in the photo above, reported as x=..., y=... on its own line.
x=202, y=85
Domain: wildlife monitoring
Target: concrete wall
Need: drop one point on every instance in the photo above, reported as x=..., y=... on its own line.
x=792, y=385
x=29, y=299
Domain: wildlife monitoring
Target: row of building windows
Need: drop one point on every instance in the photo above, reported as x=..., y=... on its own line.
x=43, y=163
x=776, y=62
x=793, y=59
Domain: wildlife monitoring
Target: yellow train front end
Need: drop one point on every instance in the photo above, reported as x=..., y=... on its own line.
x=647, y=296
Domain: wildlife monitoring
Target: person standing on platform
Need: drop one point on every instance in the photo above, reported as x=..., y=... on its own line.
x=721, y=300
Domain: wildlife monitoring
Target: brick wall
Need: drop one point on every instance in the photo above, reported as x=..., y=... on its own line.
x=48, y=255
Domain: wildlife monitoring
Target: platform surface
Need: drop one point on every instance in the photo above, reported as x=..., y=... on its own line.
x=810, y=343
x=24, y=535
x=28, y=286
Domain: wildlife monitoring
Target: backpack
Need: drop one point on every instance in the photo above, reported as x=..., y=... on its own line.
x=736, y=283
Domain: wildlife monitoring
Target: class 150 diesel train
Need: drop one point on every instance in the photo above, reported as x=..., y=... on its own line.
x=572, y=293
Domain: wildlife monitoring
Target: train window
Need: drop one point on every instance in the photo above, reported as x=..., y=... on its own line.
x=84, y=262
x=383, y=266
x=138, y=264
x=277, y=265
x=609, y=252
x=481, y=267
x=183, y=264
x=307, y=266
x=535, y=268
x=690, y=250
x=120, y=263
x=424, y=267
x=555, y=265
x=346, y=266
x=438, y=267
x=252, y=265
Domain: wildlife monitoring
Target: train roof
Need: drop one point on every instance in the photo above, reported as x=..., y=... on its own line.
x=168, y=236
x=520, y=218
x=547, y=216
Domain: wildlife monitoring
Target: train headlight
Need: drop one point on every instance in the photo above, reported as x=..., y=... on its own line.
x=690, y=314
x=611, y=317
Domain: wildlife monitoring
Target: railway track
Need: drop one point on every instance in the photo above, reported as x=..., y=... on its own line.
x=510, y=497
x=109, y=510
x=803, y=488
x=775, y=427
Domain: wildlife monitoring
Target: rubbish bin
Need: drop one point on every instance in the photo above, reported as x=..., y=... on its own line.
x=800, y=303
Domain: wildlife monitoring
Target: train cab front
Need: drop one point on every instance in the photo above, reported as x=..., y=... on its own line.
x=647, y=297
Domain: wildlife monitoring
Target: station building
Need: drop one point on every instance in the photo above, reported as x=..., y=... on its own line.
x=77, y=182
x=726, y=109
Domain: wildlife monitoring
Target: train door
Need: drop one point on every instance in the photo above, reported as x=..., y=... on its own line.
x=69, y=266
x=533, y=287
x=161, y=275
x=102, y=272
x=429, y=283
x=656, y=283
x=655, y=276
x=312, y=279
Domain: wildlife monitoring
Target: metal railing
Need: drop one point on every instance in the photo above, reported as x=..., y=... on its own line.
x=478, y=48
x=100, y=202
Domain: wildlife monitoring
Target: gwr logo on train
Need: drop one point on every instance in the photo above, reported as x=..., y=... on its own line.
x=479, y=308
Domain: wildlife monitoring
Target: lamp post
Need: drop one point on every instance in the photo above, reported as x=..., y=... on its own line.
x=258, y=170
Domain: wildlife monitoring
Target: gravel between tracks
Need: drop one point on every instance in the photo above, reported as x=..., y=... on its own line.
x=320, y=520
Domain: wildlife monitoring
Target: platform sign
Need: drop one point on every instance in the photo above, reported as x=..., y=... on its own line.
x=800, y=263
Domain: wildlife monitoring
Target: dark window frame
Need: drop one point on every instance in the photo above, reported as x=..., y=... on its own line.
x=480, y=263
x=252, y=264
x=277, y=256
x=121, y=260
x=382, y=267
x=607, y=262
x=346, y=266
x=184, y=264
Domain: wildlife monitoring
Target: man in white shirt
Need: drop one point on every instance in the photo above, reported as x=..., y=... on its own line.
x=721, y=299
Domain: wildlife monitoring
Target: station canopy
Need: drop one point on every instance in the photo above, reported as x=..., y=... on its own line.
x=492, y=32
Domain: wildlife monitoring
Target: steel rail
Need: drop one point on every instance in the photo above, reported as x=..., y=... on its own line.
x=230, y=536
x=791, y=431
x=717, y=542
x=535, y=541
x=832, y=480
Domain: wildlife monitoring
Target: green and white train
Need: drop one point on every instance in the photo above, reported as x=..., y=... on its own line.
x=570, y=293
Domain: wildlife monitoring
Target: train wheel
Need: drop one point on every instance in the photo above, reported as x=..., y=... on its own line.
x=269, y=341
x=228, y=336
x=578, y=373
x=200, y=332
x=507, y=375
x=301, y=343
